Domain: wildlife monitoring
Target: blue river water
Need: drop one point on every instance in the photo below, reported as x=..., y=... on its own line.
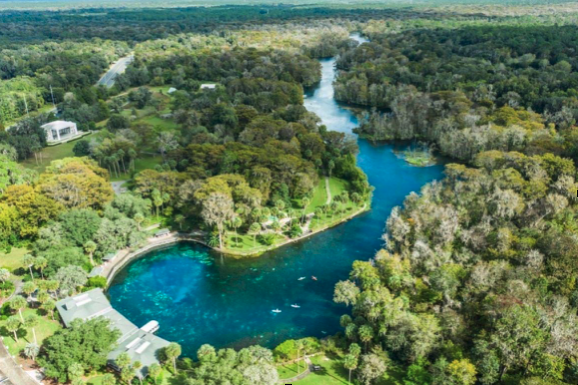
x=199, y=296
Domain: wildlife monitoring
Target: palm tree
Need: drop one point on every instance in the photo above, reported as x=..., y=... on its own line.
x=49, y=306
x=350, y=363
x=41, y=264
x=31, y=322
x=254, y=229
x=28, y=288
x=139, y=219
x=31, y=350
x=365, y=334
x=28, y=261
x=136, y=366
x=13, y=325
x=154, y=372
x=236, y=223
x=52, y=286
x=108, y=379
x=172, y=352
x=90, y=248
x=18, y=303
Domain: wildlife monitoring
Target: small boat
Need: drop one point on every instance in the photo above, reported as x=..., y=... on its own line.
x=295, y=306
x=301, y=278
x=314, y=278
x=276, y=311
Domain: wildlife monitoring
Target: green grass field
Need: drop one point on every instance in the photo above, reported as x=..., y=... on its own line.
x=13, y=260
x=52, y=153
x=291, y=370
x=333, y=373
x=244, y=243
x=46, y=327
x=319, y=197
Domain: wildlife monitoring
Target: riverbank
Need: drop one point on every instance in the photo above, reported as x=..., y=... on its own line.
x=123, y=257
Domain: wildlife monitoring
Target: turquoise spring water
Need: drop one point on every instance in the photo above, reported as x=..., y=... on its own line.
x=198, y=296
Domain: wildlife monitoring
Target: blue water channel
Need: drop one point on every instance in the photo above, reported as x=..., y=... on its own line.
x=199, y=296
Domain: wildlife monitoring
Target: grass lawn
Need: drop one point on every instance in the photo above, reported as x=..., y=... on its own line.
x=146, y=162
x=53, y=153
x=13, y=260
x=337, y=186
x=319, y=197
x=46, y=327
x=159, y=123
x=291, y=370
x=334, y=373
x=97, y=380
x=246, y=243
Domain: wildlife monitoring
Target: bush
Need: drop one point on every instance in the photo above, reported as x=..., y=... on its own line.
x=95, y=282
x=266, y=239
x=295, y=231
x=81, y=148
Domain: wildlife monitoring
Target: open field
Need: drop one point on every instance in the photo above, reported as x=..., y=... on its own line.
x=12, y=260
x=46, y=327
x=48, y=154
x=290, y=370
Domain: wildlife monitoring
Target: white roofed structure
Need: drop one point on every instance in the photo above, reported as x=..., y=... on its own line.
x=139, y=343
x=61, y=131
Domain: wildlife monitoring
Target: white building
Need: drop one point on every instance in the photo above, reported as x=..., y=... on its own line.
x=61, y=131
x=208, y=86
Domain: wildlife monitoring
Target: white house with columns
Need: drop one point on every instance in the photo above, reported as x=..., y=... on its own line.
x=61, y=131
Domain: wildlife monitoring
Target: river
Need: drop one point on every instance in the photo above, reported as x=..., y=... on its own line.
x=198, y=296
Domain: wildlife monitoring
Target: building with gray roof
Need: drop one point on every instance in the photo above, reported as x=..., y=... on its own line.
x=139, y=343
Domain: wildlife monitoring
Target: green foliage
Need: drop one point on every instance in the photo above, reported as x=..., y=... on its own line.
x=83, y=343
x=97, y=282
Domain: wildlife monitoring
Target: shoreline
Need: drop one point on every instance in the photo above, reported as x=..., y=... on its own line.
x=111, y=269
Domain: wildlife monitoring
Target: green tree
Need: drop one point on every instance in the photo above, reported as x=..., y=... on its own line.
x=172, y=352
x=18, y=303
x=90, y=248
x=75, y=371
x=28, y=261
x=86, y=343
x=31, y=350
x=350, y=363
x=70, y=278
x=28, y=288
x=463, y=372
x=13, y=325
x=217, y=210
x=372, y=367
x=254, y=230
x=4, y=275
x=49, y=307
x=40, y=263
x=31, y=322
x=154, y=371
x=236, y=223
x=108, y=379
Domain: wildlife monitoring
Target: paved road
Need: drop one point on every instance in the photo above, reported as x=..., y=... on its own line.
x=119, y=67
x=118, y=187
